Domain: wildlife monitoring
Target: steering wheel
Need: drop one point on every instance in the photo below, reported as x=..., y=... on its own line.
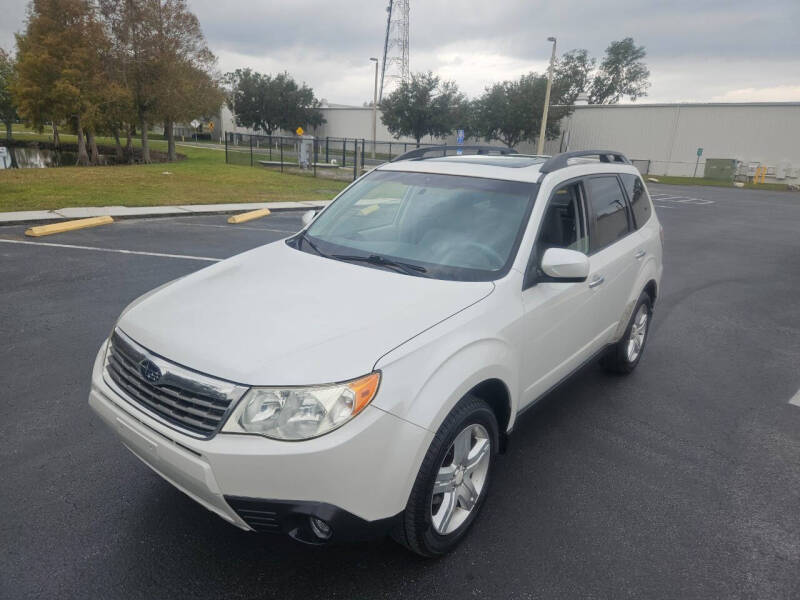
x=491, y=258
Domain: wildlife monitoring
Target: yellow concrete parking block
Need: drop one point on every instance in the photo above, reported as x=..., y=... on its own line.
x=248, y=216
x=63, y=226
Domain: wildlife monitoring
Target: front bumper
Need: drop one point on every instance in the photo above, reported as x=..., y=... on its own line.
x=357, y=478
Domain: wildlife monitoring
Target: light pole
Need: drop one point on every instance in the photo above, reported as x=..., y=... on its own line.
x=375, y=108
x=542, y=131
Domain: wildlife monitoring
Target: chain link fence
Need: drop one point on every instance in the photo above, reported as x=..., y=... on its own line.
x=332, y=157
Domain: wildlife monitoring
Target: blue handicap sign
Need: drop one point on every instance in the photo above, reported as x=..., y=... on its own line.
x=460, y=136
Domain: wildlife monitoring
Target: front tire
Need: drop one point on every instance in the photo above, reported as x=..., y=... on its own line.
x=623, y=357
x=452, y=482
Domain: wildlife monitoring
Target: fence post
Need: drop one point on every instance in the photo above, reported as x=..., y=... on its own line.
x=390, y=151
x=316, y=155
x=344, y=152
x=326, y=150
x=251, y=149
x=405, y=148
x=226, y=147
x=270, y=147
x=280, y=141
x=355, y=159
x=363, y=145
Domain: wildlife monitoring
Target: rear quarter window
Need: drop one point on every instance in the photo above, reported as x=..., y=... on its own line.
x=639, y=199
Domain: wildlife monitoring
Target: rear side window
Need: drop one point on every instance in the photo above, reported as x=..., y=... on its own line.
x=640, y=203
x=608, y=209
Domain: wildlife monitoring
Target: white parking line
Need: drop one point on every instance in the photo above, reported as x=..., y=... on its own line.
x=795, y=399
x=288, y=232
x=74, y=247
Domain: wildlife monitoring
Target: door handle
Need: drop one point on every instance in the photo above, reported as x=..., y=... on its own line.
x=596, y=281
x=639, y=254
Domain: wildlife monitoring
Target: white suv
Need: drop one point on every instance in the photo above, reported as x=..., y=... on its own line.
x=360, y=377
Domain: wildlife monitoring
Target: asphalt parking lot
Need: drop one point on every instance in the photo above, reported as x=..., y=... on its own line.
x=680, y=481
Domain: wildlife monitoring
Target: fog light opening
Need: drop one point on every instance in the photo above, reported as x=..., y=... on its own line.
x=320, y=528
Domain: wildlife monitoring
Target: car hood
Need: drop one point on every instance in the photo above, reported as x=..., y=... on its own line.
x=279, y=316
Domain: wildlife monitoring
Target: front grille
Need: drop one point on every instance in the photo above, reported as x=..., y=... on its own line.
x=188, y=401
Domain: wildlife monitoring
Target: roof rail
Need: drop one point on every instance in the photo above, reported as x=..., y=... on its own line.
x=559, y=161
x=419, y=153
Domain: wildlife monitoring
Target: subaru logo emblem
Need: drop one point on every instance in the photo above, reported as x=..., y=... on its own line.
x=149, y=371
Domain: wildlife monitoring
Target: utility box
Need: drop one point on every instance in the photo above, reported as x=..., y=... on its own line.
x=306, y=154
x=721, y=169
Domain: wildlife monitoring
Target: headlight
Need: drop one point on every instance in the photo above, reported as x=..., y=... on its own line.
x=301, y=413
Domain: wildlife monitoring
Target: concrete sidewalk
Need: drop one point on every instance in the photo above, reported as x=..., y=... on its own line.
x=121, y=212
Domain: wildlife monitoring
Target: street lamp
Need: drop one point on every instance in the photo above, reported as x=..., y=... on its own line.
x=375, y=108
x=542, y=131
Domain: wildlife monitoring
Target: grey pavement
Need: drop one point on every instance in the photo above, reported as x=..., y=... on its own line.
x=679, y=481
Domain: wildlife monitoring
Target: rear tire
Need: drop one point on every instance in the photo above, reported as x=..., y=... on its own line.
x=623, y=356
x=452, y=482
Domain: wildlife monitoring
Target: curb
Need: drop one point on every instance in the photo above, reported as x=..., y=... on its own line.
x=34, y=217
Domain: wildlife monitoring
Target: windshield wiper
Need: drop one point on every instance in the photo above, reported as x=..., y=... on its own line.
x=302, y=236
x=381, y=261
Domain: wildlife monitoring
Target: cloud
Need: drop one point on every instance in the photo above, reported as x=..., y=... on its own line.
x=697, y=50
x=777, y=93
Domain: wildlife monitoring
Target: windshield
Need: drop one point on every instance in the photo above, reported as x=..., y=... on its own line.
x=448, y=227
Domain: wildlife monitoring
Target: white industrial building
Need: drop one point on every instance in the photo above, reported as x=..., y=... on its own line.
x=666, y=135
x=341, y=121
x=669, y=135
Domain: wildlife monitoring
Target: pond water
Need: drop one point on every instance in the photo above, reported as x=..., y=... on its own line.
x=23, y=157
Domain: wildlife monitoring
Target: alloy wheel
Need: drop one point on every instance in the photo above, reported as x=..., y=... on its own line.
x=638, y=331
x=460, y=479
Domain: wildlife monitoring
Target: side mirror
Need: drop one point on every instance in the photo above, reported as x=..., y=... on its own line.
x=565, y=265
x=308, y=216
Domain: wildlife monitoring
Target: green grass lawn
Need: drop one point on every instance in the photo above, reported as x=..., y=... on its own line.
x=670, y=180
x=202, y=178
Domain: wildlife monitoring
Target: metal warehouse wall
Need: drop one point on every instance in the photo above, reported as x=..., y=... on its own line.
x=354, y=122
x=669, y=134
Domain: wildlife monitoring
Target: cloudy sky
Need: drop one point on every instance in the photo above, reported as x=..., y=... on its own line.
x=697, y=50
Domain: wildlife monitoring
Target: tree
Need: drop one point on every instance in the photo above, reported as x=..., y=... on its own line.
x=511, y=111
x=269, y=103
x=8, y=109
x=119, y=111
x=186, y=86
x=132, y=23
x=571, y=76
x=58, y=70
x=191, y=92
x=425, y=105
x=167, y=65
x=622, y=73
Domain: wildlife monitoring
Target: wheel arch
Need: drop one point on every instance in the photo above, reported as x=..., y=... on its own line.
x=486, y=368
x=496, y=394
x=651, y=287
